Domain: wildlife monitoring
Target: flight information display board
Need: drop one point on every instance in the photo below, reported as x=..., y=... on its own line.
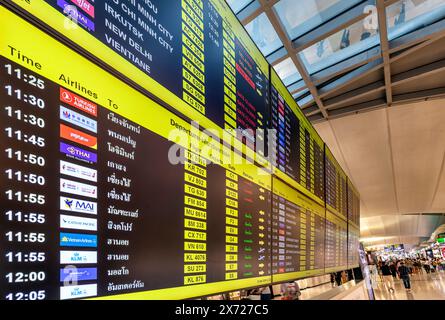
x=91, y=205
x=353, y=246
x=336, y=255
x=193, y=54
x=298, y=147
x=353, y=205
x=336, y=186
x=353, y=225
x=298, y=234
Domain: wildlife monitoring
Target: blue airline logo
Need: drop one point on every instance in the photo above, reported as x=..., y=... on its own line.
x=78, y=240
x=76, y=205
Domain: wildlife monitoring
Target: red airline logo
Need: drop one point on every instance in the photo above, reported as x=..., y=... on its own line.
x=78, y=102
x=78, y=136
x=85, y=6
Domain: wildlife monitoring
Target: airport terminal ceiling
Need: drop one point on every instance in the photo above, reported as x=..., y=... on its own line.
x=341, y=57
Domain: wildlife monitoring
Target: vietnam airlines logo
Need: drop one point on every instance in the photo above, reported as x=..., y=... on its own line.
x=64, y=239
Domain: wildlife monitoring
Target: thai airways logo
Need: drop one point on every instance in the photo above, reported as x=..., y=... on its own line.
x=73, y=292
x=78, y=102
x=78, y=257
x=78, y=119
x=78, y=223
x=75, y=15
x=72, y=274
x=81, y=172
x=76, y=205
x=77, y=188
x=78, y=153
x=78, y=136
x=78, y=240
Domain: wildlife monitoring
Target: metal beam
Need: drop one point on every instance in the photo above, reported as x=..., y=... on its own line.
x=311, y=110
x=346, y=65
x=246, y=16
x=384, y=44
x=408, y=41
x=398, y=79
x=354, y=94
x=331, y=27
x=433, y=31
x=297, y=86
x=423, y=95
x=369, y=105
x=419, y=72
x=390, y=2
x=352, y=76
x=316, y=118
x=401, y=99
x=276, y=23
x=278, y=56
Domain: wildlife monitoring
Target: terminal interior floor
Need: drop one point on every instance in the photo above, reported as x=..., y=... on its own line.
x=424, y=287
x=309, y=293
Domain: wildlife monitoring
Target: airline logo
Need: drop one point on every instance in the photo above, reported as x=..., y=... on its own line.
x=73, y=292
x=85, y=6
x=74, y=170
x=77, y=119
x=78, y=257
x=78, y=274
x=77, y=188
x=78, y=153
x=78, y=240
x=78, y=223
x=81, y=18
x=78, y=102
x=77, y=136
x=76, y=205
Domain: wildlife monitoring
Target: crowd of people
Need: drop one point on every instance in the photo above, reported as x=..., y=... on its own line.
x=403, y=269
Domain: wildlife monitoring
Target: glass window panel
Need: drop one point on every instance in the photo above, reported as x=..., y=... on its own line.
x=301, y=16
x=264, y=35
x=287, y=72
x=408, y=15
x=353, y=40
x=238, y=5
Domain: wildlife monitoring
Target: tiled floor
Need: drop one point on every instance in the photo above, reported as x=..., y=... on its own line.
x=313, y=292
x=424, y=287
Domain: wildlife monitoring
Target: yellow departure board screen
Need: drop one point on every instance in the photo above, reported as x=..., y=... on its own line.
x=336, y=243
x=298, y=234
x=336, y=186
x=299, y=150
x=92, y=205
x=194, y=55
x=353, y=246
